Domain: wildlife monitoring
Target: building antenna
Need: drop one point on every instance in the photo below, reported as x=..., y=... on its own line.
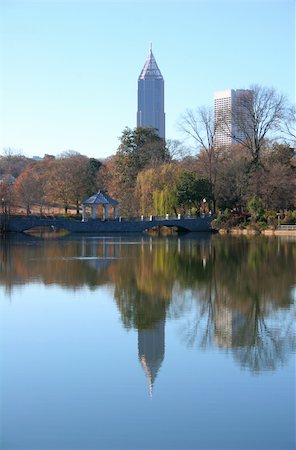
x=151, y=47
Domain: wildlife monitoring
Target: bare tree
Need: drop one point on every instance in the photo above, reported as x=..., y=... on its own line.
x=13, y=162
x=177, y=150
x=289, y=128
x=201, y=127
x=260, y=114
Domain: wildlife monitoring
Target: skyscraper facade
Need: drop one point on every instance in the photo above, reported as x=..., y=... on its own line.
x=151, y=97
x=232, y=116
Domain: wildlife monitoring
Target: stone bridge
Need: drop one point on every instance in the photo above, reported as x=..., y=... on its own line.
x=20, y=224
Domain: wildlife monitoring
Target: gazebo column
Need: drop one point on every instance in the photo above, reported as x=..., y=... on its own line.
x=93, y=211
x=115, y=212
x=105, y=212
x=83, y=213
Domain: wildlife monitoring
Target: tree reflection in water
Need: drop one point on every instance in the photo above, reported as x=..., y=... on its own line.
x=247, y=305
x=235, y=293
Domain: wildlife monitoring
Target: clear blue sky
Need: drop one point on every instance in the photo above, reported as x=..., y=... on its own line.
x=69, y=70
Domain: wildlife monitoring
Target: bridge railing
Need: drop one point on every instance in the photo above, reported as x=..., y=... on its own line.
x=149, y=218
x=142, y=218
x=171, y=217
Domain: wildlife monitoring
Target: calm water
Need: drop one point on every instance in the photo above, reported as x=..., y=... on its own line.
x=147, y=343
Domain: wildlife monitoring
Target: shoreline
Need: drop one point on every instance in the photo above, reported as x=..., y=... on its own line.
x=253, y=232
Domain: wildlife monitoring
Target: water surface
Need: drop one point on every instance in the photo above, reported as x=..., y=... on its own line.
x=147, y=343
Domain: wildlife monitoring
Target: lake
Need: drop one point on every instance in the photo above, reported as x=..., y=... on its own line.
x=139, y=342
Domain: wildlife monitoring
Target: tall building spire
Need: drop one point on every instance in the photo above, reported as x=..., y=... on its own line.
x=151, y=96
x=150, y=69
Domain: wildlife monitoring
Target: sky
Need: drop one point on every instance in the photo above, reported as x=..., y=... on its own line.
x=69, y=69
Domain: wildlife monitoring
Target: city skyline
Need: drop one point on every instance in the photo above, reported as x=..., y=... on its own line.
x=71, y=69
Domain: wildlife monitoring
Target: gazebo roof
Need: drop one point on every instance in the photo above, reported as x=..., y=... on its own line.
x=100, y=199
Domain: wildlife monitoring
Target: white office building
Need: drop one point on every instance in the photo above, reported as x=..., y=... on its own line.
x=151, y=97
x=232, y=116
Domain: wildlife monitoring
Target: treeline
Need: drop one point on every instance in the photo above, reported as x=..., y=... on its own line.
x=62, y=181
x=149, y=176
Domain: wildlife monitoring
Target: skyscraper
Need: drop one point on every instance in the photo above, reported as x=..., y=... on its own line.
x=232, y=116
x=151, y=97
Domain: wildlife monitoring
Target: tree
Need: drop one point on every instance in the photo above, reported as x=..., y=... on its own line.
x=165, y=201
x=82, y=180
x=13, y=162
x=275, y=181
x=202, y=128
x=255, y=208
x=156, y=187
x=28, y=188
x=139, y=148
x=7, y=192
x=192, y=190
x=177, y=149
x=92, y=170
x=68, y=183
x=289, y=128
x=262, y=114
x=231, y=184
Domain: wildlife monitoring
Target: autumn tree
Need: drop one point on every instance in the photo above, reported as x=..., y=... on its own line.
x=83, y=179
x=29, y=188
x=69, y=182
x=107, y=181
x=156, y=188
x=232, y=179
x=275, y=181
x=7, y=192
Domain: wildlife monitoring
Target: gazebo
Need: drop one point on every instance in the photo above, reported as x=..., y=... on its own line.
x=99, y=199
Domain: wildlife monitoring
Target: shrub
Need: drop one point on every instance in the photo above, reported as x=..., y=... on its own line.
x=255, y=208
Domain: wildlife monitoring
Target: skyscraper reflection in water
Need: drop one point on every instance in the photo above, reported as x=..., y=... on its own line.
x=151, y=351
